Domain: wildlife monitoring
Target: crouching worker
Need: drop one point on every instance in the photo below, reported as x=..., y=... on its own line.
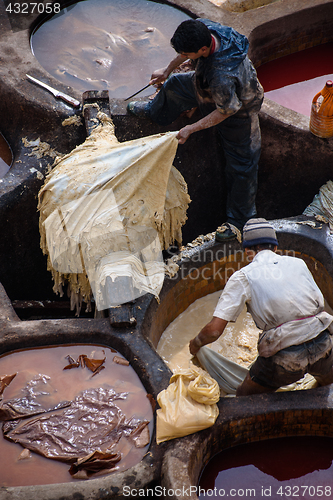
x=286, y=304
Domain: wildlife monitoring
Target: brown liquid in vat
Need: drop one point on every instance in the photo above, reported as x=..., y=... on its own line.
x=107, y=44
x=51, y=361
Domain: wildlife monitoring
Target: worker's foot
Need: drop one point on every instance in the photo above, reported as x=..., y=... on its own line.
x=227, y=232
x=138, y=108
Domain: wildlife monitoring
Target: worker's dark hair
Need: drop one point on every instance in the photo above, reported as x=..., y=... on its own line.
x=191, y=36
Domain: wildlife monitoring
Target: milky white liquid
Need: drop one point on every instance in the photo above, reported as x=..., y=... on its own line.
x=238, y=342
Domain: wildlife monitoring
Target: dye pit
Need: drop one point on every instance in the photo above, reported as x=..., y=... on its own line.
x=58, y=385
x=296, y=466
x=294, y=80
x=103, y=44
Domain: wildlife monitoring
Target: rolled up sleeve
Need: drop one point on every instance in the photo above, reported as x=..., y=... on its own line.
x=233, y=298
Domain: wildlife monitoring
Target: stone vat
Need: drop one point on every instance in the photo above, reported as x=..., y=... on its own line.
x=293, y=165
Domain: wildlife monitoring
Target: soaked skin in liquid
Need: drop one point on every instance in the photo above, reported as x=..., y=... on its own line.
x=67, y=384
x=238, y=342
x=291, y=467
x=294, y=80
x=107, y=44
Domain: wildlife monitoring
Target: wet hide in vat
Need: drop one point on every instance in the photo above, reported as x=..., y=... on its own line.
x=107, y=209
x=38, y=396
x=228, y=374
x=188, y=404
x=84, y=434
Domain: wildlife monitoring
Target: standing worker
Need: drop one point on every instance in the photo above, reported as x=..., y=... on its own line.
x=286, y=304
x=226, y=89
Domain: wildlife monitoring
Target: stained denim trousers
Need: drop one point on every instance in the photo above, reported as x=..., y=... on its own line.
x=292, y=363
x=240, y=139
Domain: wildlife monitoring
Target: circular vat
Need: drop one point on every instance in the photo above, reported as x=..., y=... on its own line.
x=272, y=467
x=103, y=45
x=78, y=334
x=308, y=71
x=244, y=422
x=71, y=413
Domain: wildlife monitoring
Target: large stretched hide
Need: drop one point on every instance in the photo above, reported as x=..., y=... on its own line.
x=107, y=210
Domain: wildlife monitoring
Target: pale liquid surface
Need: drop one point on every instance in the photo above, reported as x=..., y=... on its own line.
x=238, y=342
x=295, y=79
x=68, y=383
x=107, y=44
x=298, y=96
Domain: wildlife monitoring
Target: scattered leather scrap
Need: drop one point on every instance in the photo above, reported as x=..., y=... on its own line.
x=72, y=363
x=99, y=369
x=5, y=380
x=24, y=455
x=94, y=462
x=95, y=365
x=120, y=361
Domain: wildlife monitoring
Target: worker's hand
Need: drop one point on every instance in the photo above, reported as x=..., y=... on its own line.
x=193, y=346
x=183, y=134
x=158, y=77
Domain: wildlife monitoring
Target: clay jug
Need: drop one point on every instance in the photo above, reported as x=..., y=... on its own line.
x=321, y=119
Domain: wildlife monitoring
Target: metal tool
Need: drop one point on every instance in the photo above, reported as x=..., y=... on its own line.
x=138, y=92
x=59, y=95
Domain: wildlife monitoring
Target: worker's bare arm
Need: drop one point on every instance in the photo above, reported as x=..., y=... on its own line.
x=160, y=75
x=214, y=118
x=211, y=332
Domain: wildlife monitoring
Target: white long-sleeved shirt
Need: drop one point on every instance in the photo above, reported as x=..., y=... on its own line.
x=282, y=297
